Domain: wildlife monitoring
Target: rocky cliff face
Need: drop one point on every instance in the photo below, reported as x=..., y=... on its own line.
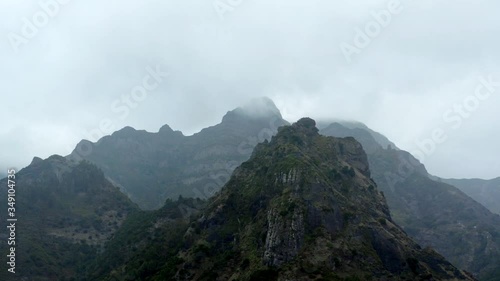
x=302, y=208
x=284, y=238
x=432, y=212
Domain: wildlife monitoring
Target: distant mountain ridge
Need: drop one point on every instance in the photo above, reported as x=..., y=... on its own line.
x=486, y=192
x=382, y=140
x=151, y=167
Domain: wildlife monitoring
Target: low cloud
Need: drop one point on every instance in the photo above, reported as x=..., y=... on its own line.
x=60, y=84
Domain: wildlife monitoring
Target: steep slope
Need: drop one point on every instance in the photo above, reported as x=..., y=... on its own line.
x=150, y=167
x=146, y=242
x=66, y=213
x=302, y=208
x=433, y=213
x=486, y=192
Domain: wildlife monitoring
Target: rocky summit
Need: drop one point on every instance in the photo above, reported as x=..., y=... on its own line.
x=302, y=208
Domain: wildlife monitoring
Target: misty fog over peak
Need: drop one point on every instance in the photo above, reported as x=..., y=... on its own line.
x=96, y=67
x=259, y=107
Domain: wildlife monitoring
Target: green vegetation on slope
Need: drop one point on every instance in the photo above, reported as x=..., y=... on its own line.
x=66, y=214
x=435, y=214
x=303, y=207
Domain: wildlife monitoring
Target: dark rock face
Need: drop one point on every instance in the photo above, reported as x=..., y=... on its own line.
x=434, y=213
x=302, y=208
x=308, y=126
x=284, y=238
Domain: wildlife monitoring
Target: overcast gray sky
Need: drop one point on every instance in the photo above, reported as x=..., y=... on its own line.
x=70, y=65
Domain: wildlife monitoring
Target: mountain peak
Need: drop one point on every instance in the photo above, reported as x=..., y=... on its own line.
x=125, y=131
x=256, y=108
x=36, y=160
x=306, y=122
x=306, y=201
x=308, y=125
x=300, y=133
x=262, y=105
x=167, y=130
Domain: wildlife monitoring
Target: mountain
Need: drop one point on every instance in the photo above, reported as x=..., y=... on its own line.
x=434, y=213
x=486, y=192
x=302, y=208
x=380, y=139
x=148, y=243
x=151, y=167
x=66, y=213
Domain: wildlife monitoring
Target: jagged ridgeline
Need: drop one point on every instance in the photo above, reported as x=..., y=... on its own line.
x=151, y=167
x=302, y=208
